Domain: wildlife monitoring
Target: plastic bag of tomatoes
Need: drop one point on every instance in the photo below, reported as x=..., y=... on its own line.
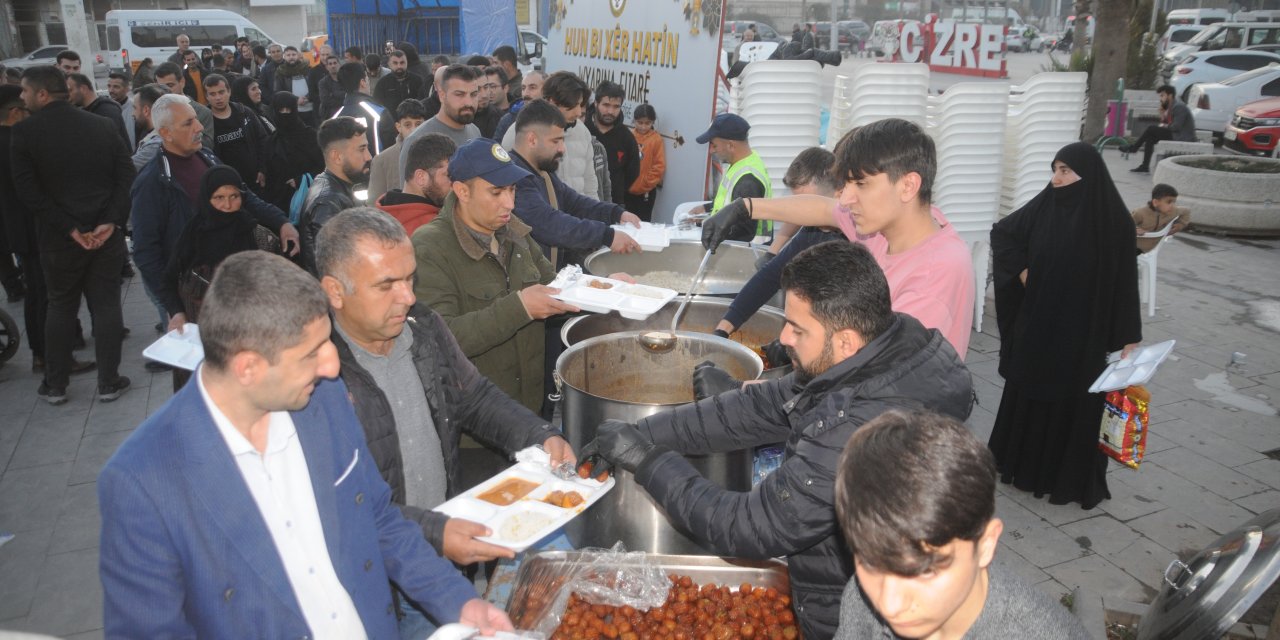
x=606, y=578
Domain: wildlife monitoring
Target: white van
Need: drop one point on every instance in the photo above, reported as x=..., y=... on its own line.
x=1197, y=16
x=134, y=35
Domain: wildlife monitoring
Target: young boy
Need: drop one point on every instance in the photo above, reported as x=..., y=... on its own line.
x=1157, y=213
x=915, y=498
x=885, y=172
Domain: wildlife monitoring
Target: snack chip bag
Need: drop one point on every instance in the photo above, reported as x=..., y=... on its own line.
x=1123, y=435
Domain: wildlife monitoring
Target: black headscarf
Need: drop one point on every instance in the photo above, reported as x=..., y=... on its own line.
x=290, y=121
x=240, y=91
x=219, y=231
x=294, y=149
x=1081, y=298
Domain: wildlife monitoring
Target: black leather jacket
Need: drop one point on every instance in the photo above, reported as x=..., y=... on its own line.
x=328, y=196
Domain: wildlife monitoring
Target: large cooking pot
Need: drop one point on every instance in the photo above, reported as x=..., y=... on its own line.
x=728, y=271
x=614, y=377
x=702, y=315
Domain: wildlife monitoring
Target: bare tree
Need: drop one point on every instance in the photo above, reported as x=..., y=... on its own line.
x=1110, y=56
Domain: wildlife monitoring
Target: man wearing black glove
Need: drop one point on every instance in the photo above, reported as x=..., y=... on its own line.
x=745, y=177
x=710, y=380
x=854, y=359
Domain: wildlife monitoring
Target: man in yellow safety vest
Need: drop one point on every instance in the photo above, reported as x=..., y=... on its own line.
x=745, y=177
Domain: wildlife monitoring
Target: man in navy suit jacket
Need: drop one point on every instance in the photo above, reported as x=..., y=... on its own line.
x=249, y=505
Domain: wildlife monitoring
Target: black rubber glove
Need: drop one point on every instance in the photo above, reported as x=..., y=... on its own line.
x=710, y=380
x=618, y=445
x=777, y=354
x=732, y=220
x=763, y=260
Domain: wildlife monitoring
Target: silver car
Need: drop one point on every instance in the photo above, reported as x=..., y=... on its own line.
x=49, y=55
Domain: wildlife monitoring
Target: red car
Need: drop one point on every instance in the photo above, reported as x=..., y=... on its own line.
x=1254, y=128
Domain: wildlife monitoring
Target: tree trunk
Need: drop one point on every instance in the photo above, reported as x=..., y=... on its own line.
x=1110, y=56
x=1080, y=30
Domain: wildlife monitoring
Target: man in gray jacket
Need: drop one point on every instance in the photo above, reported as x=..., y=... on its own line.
x=1176, y=123
x=854, y=359
x=413, y=389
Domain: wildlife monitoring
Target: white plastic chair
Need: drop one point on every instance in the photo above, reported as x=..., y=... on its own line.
x=1147, y=267
x=756, y=51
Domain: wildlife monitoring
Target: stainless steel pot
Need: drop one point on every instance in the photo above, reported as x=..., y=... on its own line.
x=703, y=314
x=614, y=377
x=728, y=271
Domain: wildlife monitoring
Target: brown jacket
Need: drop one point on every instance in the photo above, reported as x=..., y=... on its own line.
x=1148, y=220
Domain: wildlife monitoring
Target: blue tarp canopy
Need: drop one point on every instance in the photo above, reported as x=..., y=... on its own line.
x=487, y=25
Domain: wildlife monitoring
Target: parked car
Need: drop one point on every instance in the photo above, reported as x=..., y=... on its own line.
x=847, y=41
x=1213, y=104
x=1254, y=129
x=1223, y=35
x=1026, y=39
x=1177, y=34
x=732, y=34
x=1213, y=66
x=1273, y=48
x=49, y=55
x=532, y=44
x=858, y=28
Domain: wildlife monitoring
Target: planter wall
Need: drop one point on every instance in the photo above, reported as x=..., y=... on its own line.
x=1225, y=201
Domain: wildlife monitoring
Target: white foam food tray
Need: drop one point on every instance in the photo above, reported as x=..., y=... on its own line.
x=631, y=301
x=1138, y=368
x=650, y=236
x=182, y=350
x=528, y=518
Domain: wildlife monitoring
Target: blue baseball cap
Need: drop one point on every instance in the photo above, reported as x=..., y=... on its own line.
x=729, y=126
x=484, y=158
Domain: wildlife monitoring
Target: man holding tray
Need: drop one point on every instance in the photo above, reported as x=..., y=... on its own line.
x=414, y=390
x=249, y=504
x=854, y=359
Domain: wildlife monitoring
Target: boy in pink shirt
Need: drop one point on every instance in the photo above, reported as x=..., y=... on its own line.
x=887, y=168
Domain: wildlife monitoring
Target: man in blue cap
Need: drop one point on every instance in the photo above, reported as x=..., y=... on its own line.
x=479, y=268
x=746, y=176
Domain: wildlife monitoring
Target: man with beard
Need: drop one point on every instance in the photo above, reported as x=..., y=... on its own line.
x=529, y=89
x=569, y=93
x=396, y=88
x=386, y=165
x=193, y=74
x=1176, y=123
x=427, y=185
x=745, y=177
x=346, y=162
x=81, y=94
x=459, y=91
x=574, y=221
x=332, y=95
x=291, y=76
x=118, y=90
x=620, y=146
x=854, y=359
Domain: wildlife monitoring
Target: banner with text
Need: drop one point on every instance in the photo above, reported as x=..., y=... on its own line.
x=663, y=52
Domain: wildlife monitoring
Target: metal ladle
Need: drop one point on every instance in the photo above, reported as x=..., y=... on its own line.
x=664, y=341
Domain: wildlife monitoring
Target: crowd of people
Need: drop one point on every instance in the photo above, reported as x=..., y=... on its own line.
x=367, y=250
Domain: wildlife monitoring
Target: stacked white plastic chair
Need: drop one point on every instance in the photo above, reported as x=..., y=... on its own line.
x=781, y=100
x=967, y=124
x=880, y=91
x=841, y=112
x=1045, y=114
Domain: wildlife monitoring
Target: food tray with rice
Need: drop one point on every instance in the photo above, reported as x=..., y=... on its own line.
x=602, y=295
x=527, y=501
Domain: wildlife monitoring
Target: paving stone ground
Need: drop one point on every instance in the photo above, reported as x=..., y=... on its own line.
x=1208, y=468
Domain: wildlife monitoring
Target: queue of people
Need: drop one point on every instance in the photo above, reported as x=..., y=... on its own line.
x=347, y=359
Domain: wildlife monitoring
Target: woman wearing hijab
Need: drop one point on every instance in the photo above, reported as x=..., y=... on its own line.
x=246, y=91
x=294, y=151
x=1066, y=289
x=219, y=229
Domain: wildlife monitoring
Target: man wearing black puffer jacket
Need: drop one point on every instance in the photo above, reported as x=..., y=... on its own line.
x=854, y=358
x=414, y=390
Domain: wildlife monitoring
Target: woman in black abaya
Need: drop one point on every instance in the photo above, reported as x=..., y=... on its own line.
x=1066, y=289
x=294, y=151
